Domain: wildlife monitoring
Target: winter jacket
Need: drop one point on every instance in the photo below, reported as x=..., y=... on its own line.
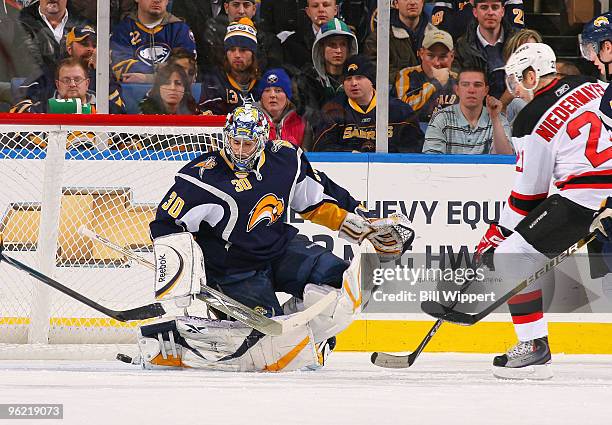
x=403, y=44
x=315, y=85
x=470, y=53
x=136, y=48
x=41, y=44
x=290, y=127
x=13, y=63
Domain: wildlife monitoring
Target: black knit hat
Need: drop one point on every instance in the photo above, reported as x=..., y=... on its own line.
x=360, y=65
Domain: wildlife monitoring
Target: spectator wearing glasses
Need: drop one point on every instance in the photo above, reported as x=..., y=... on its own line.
x=80, y=44
x=468, y=127
x=71, y=82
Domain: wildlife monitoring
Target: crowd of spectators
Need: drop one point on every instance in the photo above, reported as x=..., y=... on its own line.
x=308, y=64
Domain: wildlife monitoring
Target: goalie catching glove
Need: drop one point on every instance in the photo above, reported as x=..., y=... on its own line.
x=179, y=267
x=390, y=236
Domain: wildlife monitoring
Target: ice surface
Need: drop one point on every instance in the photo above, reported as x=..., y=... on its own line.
x=440, y=389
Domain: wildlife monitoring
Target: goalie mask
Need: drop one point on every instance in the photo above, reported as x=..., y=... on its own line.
x=537, y=56
x=245, y=134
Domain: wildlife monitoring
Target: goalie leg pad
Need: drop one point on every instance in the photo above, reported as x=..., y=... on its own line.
x=224, y=345
x=179, y=267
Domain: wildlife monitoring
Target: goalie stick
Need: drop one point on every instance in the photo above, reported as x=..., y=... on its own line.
x=228, y=305
x=139, y=313
x=448, y=314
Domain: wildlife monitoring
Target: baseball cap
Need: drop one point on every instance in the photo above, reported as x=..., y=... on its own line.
x=80, y=34
x=438, y=36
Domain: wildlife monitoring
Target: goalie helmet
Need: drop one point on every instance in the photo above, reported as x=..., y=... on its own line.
x=245, y=124
x=538, y=56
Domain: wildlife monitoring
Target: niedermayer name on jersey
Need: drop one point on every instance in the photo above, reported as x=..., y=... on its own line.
x=570, y=101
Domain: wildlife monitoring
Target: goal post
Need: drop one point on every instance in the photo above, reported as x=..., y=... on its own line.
x=105, y=172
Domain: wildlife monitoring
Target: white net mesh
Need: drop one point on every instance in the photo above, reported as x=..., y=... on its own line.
x=56, y=179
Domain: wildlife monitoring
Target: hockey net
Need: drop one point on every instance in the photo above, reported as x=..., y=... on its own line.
x=61, y=172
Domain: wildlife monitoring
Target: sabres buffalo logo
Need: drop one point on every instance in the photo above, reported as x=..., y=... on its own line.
x=602, y=20
x=269, y=208
x=353, y=67
x=207, y=164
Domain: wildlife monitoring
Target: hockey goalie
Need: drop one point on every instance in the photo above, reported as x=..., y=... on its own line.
x=222, y=224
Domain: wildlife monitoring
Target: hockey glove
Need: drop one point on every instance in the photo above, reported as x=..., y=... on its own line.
x=491, y=240
x=390, y=236
x=602, y=224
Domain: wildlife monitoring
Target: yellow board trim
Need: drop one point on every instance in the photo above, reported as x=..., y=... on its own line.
x=486, y=337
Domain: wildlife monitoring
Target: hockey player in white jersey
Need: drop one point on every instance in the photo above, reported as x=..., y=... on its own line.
x=559, y=139
x=222, y=224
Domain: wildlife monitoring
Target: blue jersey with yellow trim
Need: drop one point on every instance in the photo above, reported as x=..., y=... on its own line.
x=237, y=218
x=136, y=48
x=221, y=94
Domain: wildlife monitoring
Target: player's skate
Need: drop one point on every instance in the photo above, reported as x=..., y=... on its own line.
x=526, y=360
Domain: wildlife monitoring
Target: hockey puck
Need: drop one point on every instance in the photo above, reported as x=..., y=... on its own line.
x=124, y=358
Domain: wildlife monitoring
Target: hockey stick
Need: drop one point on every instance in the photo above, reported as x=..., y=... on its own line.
x=139, y=313
x=394, y=361
x=440, y=311
x=228, y=305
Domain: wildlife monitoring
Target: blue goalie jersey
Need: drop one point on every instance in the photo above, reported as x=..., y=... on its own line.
x=238, y=219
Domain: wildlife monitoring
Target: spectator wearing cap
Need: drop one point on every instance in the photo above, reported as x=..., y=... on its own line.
x=483, y=44
x=468, y=127
x=274, y=90
x=322, y=81
x=210, y=37
x=430, y=86
x=406, y=34
x=79, y=44
x=234, y=84
x=45, y=24
x=349, y=120
x=144, y=39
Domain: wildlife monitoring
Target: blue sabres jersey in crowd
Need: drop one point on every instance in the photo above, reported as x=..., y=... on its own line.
x=238, y=219
x=136, y=48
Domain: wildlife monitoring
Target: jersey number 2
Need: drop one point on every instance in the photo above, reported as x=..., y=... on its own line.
x=573, y=131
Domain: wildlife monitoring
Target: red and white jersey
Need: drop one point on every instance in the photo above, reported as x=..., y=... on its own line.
x=559, y=138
